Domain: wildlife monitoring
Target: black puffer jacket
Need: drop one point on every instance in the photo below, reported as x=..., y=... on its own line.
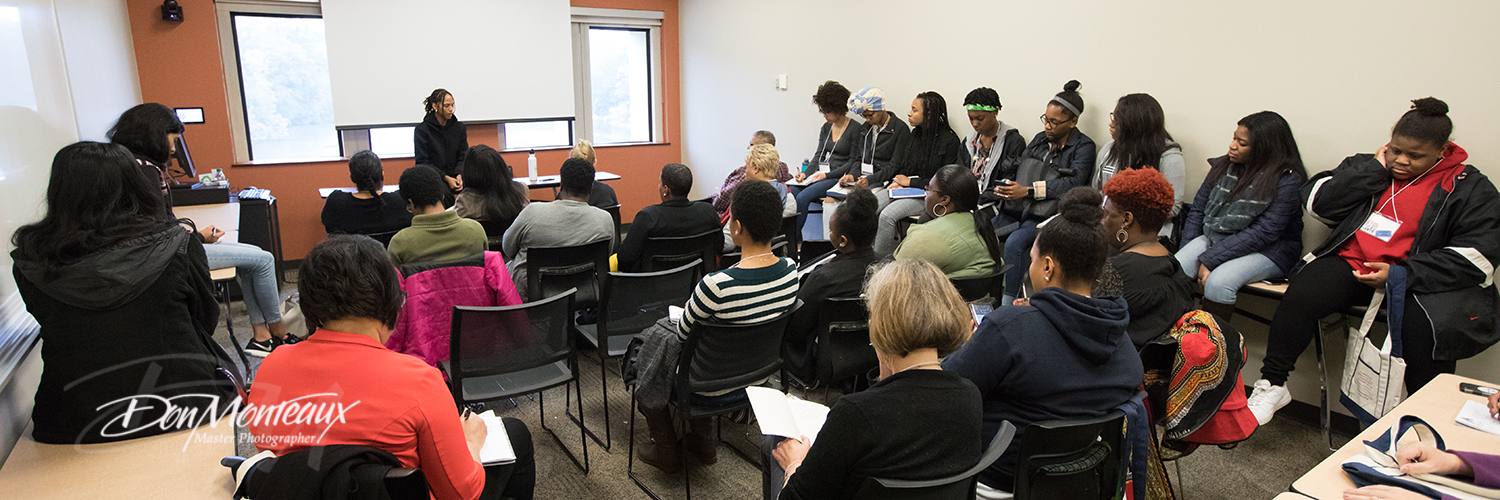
x=1450, y=269
x=132, y=321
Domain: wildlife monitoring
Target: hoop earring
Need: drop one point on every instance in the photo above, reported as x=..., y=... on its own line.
x=1121, y=236
x=934, y=210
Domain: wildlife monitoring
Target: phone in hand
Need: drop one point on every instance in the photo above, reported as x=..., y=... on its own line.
x=1477, y=390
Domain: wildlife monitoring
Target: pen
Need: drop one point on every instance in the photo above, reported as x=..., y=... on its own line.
x=467, y=411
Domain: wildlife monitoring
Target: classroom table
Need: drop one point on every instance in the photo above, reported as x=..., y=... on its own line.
x=1291, y=496
x=1437, y=403
x=224, y=216
x=542, y=182
x=182, y=464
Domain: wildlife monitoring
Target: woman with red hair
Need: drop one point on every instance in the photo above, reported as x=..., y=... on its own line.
x=1136, y=204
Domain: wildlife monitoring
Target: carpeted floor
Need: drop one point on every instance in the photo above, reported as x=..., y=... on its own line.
x=1259, y=468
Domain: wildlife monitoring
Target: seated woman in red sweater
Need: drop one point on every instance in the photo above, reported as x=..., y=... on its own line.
x=379, y=398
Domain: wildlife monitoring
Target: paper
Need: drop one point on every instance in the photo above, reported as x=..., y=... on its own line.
x=675, y=313
x=780, y=414
x=840, y=191
x=1476, y=415
x=496, y=449
x=907, y=192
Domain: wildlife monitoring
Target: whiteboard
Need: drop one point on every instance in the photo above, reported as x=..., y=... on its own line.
x=501, y=59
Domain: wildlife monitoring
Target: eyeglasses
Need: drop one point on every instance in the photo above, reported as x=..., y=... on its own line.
x=1049, y=123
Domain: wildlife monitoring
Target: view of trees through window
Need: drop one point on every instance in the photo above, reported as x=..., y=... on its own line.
x=620, y=79
x=288, y=97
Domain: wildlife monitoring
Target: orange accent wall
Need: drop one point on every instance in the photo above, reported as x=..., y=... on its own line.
x=180, y=65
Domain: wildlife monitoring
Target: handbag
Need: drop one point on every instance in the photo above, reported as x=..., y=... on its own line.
x=1378, y=465
x=1374, y=377
x=1029, y=172
x=291, y=315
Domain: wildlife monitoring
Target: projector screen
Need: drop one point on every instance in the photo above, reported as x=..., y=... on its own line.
x=501, y=59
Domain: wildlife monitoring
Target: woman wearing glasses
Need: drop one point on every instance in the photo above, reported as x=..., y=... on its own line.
x=957, y=239
x=1058, y=159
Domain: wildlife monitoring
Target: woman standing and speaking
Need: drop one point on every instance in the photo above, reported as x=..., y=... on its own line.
x=441, y=141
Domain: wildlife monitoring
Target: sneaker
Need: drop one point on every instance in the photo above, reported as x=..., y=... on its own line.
x=1266, y=399
x=261, y=348
x=289, y=339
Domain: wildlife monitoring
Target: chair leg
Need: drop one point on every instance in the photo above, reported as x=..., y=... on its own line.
x=1181, y=483
x=1325, y=415
x=229, y=327
x=630, y=464
x=719, y=436
x=542, y=404
x=579, y=418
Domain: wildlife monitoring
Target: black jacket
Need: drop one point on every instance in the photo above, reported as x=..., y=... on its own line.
x=844, y=276
x=383, y=215
x=345, y=472
x=945, y=151
x=886, y=153
x=1011, y=146
x=442, y=146
x=135, y=318
x=1450, y=268
x=680, y=217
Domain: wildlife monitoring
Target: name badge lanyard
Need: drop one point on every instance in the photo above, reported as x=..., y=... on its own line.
x=871, y=141
x=822, y=154
x=1375, y=221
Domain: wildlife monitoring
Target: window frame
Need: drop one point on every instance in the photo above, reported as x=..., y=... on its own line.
x=228, y=46
x=585, y=18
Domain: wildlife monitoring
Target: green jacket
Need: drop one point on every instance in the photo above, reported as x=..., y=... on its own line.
x=437, y=238
x=950, y=243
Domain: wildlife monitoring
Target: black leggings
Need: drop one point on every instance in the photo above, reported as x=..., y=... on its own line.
x=514, y=480
x=1326, y=286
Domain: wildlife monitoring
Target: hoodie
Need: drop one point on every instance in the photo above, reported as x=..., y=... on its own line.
x=132, y=319
x=1065, y=356
x=442, y=146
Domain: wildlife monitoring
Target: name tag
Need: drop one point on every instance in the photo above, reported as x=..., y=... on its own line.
x=866, y=169
x=1381, y=227
x=1039, y=189
x=823, y=168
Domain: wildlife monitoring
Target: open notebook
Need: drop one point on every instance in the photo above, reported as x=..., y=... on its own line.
x=497, y=449
x=781, y=414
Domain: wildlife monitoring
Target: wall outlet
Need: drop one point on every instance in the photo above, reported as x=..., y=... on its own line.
x=781, y=82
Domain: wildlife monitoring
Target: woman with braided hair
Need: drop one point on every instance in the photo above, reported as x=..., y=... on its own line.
x=933, y=145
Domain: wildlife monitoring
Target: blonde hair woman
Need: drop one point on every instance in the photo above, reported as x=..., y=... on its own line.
x=761, y=163
x=602, y=196
x=919, y=422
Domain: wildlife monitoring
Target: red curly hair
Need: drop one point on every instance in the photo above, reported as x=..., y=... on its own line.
x=1143, y=192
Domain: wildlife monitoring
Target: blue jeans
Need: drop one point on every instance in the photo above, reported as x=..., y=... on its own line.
x=810, y=194
x=256, y=270
x=1224, y=282
x=1017, y=251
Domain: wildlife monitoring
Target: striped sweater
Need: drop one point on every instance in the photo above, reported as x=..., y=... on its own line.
x=737, y=295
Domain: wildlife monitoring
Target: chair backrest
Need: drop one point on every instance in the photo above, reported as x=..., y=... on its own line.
x=667, y=252
x=384, y=237
x=978, y=287
x=495, y=244
x=634, y=301
x=550, y=270
x=815, y=248
x=791, y=235
x=956, y=487
x=494, y=340
x=844, y=350
x=495, y=229
x=614, y=213
x=399, y=483
x=720, y=356
x=1075, y=459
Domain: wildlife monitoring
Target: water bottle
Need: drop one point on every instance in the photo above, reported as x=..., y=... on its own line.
x=531, y=166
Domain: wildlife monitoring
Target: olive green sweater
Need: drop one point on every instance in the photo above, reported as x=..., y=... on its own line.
x=437, y=238
x=950, y=243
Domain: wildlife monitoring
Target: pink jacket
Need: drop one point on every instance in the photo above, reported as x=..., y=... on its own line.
x=423, y=327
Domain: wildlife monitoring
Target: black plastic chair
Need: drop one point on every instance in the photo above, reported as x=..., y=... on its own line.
x=399, y=483
x=667, y=252
x=975, y=288
x=957, y=487
x=1074, y=459
x=790, y=236
x=633, y=302
x=499, y=353
x=495, y=244
x=718, y=357
x=550, y=270
x=614, y=213
x=815, y=248
x=844, y=350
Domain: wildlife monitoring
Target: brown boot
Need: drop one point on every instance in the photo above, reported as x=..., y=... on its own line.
x=700, y=440
x=1221, y=312
x=661, y=450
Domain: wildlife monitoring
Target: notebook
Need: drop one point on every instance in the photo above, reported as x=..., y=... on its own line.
x=907, y=192
x=781, y=414
x=496, y=449
x=1476, y=415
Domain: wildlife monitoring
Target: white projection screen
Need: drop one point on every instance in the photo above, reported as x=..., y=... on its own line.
x=501, y=59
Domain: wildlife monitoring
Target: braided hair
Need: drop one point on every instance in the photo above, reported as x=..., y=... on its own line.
x=434, y=100
x=934, y=124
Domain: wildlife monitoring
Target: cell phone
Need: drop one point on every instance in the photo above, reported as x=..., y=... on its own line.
x=1477, y=390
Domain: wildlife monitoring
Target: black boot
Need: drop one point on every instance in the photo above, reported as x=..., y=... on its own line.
x=1221, y=312
x=661, y=450
x=700, y=440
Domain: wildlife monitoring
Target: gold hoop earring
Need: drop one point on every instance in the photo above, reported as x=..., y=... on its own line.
x=1121, y=235
x=934, y=210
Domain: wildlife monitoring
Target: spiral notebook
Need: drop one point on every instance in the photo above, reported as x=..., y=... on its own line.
x=496, y=449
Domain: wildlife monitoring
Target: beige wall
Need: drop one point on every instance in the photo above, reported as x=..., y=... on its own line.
x=1341, y=72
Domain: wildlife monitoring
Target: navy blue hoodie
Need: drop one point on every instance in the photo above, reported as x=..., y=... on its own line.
x=1065, y=356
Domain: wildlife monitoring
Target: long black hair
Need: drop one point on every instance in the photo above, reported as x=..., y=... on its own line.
x=96, y=197
x=366, y=173
x=143, y=130
x=962, y=189
x=1142, y=127
x=934, y=125
x=1273, y=153
x=489, y=177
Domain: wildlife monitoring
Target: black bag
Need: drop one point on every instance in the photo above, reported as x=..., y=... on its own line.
x=1030, y=171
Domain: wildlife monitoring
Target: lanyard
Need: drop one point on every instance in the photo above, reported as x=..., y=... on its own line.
x=1397, y=192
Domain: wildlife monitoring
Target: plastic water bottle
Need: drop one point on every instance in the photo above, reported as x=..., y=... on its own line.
x=531, y=166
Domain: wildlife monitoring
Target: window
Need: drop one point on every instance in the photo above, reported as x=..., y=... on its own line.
x=391, y=141
x=617, y=70
x=288, y=100
x=530, y=135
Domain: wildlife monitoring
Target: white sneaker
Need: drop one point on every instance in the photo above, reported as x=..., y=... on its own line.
x=1266, y=399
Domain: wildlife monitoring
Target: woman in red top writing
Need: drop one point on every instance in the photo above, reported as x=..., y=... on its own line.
x=1415, y=205
x=342, y=386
